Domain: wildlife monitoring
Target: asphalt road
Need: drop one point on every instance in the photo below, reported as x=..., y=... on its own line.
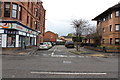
x=58, y=62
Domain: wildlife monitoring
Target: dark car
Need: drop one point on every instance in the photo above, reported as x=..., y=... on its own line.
x=69, y=44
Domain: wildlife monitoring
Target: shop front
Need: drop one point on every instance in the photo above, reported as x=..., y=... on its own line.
x=16, y=35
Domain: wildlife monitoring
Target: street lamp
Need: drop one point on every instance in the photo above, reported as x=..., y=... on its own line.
x=77, y=36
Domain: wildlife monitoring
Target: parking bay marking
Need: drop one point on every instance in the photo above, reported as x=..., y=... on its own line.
x=68, y=73
x=53, y=52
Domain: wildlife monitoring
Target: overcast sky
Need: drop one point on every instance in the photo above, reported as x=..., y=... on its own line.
x=60, y=13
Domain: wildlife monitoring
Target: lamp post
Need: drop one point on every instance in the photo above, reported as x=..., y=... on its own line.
x=77, y=36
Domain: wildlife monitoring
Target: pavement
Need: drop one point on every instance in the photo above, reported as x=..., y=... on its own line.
x=88, y=52
x=83, y=52
x=20, y=51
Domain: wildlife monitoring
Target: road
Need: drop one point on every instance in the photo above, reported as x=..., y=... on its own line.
x=58, y=62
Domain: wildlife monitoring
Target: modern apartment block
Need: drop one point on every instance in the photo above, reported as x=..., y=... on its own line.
x=108, y=26
x=22, y=24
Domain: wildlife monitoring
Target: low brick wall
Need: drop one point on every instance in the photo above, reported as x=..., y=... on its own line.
x=101, y=50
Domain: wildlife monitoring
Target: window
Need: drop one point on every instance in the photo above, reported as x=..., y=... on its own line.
x=110, y=16
x=0, y=9
x=103, y=29
x=27, y=19
x=117, y=27
x=117, y=13
x=35, y=24
x=117, y=41
x=20, y=13
x=110, y=40
x=31, y=7
x=28, y=3
x=31, y=22
x=14, y=10
x=11, y=40
x=110, y=28
x=7, y=10
x=104, y=19
x=36, y=12
x=103, y=41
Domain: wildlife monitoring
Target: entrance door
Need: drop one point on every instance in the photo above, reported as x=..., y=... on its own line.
x=23, y=42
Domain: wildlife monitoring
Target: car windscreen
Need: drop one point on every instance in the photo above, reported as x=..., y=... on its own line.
x=41, y=43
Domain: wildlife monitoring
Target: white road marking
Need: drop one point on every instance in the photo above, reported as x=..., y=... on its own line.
x=59, y=56
x=53, y=52
x=67, y=62
x=68, y=73
x=72, y=56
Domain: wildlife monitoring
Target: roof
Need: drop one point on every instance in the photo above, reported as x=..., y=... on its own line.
x=109, y=10
x=67, y=36
x=50, y=32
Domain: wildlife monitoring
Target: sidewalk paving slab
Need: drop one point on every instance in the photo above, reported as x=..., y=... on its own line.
x=88, y=52
x=20, y=51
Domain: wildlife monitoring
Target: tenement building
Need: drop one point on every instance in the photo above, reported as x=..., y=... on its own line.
x=22, y=24
x=108, y=26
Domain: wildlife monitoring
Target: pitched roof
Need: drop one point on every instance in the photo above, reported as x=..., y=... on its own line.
x=109, y=10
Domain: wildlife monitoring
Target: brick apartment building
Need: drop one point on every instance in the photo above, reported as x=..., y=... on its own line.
x=21, y=23
x=50, y=37
x=108, y=26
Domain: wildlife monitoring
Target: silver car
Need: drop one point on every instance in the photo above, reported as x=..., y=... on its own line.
x=43, y=45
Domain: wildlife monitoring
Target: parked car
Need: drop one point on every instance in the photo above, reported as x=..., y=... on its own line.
x=69, y=44
x=43, y=46
x=49, y=44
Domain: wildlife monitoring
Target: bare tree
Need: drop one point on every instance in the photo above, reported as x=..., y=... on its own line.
x=80, y=27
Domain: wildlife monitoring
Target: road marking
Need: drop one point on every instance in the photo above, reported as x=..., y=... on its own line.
x=68, y=73
x=67, y=62
x=59, y=56
x=53, y=52
x=72, y=56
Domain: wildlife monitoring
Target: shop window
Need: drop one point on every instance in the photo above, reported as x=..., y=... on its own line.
x=27, y=41
x=20, y=40
x=117, y=41
x=14, y=10
x=7, y=10
x=117, y=27
x=11, y=40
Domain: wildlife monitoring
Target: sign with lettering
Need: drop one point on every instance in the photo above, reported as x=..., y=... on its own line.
x=17, y=27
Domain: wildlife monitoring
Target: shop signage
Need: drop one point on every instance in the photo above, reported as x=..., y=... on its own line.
x=17, y=27
x=1, y=31
x=5, y=25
